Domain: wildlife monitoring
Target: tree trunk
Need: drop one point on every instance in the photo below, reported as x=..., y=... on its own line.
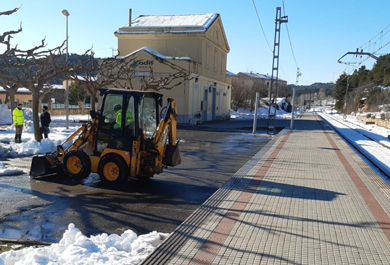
x=6, y=97
x=35, y=111
x=93, y=99
x=12, y=104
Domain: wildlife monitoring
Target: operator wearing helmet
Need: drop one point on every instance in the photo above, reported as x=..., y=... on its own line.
x=118, y=113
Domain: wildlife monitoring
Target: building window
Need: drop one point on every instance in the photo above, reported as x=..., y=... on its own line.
x=223, y=67
x=207, y=56
x=215, y=60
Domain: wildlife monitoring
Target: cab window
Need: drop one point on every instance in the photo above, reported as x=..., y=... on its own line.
x=129, y=120
x=112, y=103
x=148, y=118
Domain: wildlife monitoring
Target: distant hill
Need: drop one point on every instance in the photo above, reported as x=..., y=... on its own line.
x=313, y=88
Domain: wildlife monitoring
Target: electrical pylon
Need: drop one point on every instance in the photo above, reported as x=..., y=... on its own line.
x=273, y=89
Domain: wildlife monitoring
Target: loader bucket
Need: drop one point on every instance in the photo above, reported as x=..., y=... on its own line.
x=172, y=155
x=44, y=165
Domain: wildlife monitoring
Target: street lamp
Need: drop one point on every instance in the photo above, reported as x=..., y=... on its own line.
x=66, y=13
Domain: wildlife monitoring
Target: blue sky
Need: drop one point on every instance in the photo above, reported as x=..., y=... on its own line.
x=320, y=31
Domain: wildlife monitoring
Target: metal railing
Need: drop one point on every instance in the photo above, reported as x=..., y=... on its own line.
x=62, y=106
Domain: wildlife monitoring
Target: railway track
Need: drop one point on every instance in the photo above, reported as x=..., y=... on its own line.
x=360, y=131
x=371, y=152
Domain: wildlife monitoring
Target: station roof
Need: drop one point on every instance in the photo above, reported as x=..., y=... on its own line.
x=169, y=24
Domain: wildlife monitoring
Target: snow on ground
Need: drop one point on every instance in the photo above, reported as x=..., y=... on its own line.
x=128, y=248
x=76, y=249
x=28, y=147
x=262, y=113
x=360, y=135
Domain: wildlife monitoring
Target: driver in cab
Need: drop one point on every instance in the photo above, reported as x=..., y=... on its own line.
x=118, y=113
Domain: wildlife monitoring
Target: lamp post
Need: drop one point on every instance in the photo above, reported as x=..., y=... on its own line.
x=66, y=13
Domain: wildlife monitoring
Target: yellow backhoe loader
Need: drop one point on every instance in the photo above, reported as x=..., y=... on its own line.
x=124, y=139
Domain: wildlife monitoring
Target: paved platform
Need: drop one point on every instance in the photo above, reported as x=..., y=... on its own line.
x=305, y=198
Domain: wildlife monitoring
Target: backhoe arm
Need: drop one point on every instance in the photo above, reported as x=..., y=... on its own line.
x=165, y=138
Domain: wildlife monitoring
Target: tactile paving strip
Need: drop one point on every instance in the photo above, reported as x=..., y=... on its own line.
x=170, y=247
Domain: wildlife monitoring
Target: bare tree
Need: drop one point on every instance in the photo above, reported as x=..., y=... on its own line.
x=106, y=72
x=78, y=94
x=34, y=68
x=48, y=66
x=10, y=88
x=240, y=95
x=152, y=81
x=125, y=72
x=47, y=89
x=5, y=40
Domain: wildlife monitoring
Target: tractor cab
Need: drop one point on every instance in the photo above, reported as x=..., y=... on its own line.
x=125, y=116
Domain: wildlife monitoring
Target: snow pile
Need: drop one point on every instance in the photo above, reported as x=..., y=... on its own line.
x=29, y=146
x=9, y=171
x=284, y=105
x=283, y=111
x=5, y=115
x=262, y=113
x=77, y=249
x=7, y=151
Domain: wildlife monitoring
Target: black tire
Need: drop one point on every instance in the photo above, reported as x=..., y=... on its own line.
x=113, y=170
x=77, y=165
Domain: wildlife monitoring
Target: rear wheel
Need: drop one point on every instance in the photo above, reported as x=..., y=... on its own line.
x=113, y=170
x=77, y=164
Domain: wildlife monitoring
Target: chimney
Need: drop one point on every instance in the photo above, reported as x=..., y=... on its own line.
x=130, y=17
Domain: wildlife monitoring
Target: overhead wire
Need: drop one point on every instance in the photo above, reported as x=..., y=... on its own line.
x=269, y=46
x=289, y=38
x=261, y=25
x=258, y=17
x=291, y=46
x=379, y=34
x=380, y=47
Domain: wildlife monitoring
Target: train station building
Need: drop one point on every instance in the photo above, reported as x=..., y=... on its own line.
x=192, y=48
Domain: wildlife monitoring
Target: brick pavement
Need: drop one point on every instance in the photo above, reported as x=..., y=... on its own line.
x=305, y=198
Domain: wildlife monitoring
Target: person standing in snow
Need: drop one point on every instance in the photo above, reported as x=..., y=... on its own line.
x=18, y=118
x=45, y=121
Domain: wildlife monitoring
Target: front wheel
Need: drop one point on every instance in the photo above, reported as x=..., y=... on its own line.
x=77, y=164
x=113, y=170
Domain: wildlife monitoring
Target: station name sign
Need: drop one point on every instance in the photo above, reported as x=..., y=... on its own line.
x=143, y=63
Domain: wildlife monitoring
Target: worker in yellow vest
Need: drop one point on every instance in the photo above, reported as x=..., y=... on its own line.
x=118, y=113
x=18, y=119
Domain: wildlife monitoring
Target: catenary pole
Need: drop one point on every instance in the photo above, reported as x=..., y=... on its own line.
x=255, y=115
x=293, y=100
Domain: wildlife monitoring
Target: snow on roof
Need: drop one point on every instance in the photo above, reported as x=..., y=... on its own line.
x=83, y=78
x=56, y=86
x=26, y=90
x=168, y=23
x=230, y=73
x=155, y=53
x=20, y=90
x=260, y=76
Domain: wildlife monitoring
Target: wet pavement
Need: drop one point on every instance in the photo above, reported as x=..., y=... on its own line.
x=41, y=209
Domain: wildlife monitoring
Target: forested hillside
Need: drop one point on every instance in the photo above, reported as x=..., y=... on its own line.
x=313, y=88
x=364, y=90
